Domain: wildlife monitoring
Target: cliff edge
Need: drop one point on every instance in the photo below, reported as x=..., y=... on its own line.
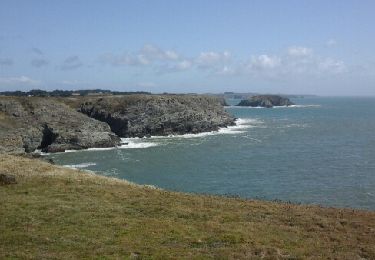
x=146, y=115
x=59, y=124
x=30, y=123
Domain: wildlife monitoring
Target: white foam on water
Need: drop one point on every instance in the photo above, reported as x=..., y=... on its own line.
x=291, y=106
x=39, y=152
x=241, y=124
x=136, y=143
x=242, y=107
x=80, y=166
x=294, y=126
x=297, y=106
x=100, y=149
x=147, y=142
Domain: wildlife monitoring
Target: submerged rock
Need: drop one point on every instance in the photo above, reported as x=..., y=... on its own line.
x=266, y=101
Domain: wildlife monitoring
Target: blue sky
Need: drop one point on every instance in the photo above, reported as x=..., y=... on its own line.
x=313, y=47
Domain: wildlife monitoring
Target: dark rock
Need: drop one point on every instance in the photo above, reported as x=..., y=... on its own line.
x=148, y=115
x=56, y=125
x=49, y=125
x=6, y=179
x=266, y=101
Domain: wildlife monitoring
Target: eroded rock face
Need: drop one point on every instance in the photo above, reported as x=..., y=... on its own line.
x=59, y=124
x=266, y=101
x=28, y=124
x=145, y=115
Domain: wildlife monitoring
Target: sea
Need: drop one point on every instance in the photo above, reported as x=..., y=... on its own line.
x=320, y=151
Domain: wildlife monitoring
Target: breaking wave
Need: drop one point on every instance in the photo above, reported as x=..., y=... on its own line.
x=80, y=166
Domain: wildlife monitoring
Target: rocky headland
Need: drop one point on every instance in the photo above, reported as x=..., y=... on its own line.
x=30, y=123
x=266, y=101
x=146, y=115
x=59, y=124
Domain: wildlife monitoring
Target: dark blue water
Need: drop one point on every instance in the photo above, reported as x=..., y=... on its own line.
x=320, y=154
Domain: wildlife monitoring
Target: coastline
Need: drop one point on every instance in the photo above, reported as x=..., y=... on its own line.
x=240, y=123
x=124, y=217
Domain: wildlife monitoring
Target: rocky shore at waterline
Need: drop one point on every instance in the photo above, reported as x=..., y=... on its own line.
x=59, y=124
x=266, y=101
x=146, y=115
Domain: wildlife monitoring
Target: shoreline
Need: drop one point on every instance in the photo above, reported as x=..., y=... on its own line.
x=240, y=123
x=124, y=217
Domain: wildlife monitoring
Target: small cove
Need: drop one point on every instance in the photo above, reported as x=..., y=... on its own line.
x=319, y=152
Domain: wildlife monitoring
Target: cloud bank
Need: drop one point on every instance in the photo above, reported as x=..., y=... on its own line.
x=295, y=60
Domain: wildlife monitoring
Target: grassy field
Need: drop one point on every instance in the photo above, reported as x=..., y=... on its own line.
x=59, y=213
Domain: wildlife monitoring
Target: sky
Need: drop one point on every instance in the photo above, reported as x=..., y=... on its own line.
x=292, y=47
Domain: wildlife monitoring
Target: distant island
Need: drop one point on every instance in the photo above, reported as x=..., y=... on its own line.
x=266, y=101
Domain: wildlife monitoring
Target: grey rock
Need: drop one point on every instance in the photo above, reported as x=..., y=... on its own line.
x=31, y=123
x=266, y=101
x=59, y=124
x=152, y=115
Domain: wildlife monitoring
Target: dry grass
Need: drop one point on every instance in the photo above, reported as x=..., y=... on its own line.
x=59, y=213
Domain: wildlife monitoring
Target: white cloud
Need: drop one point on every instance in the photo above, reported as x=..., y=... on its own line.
x=294, y=61
x=332, y=66
x=209, y=59
x=226, y=71
x=123, y=59
x=152, y=52
x=300, y=51
x=264, y=61
x=297, y=61
x=184, y=65
x=171, y=55
x=21, y=80
x=147, y=55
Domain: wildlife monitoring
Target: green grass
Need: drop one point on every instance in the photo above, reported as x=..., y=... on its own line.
x=58, y=213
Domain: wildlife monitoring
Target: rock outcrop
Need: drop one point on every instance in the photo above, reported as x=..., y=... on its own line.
x=266, y=101
x=29, y=123
x=59, y=124
x=146, y=115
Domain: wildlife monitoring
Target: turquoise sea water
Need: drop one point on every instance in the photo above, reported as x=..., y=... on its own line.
x=320, y=152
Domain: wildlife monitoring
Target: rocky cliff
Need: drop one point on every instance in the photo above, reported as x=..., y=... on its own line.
x=266, y=101
x=146, y=115
x=59, y=124
x=29, y=123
